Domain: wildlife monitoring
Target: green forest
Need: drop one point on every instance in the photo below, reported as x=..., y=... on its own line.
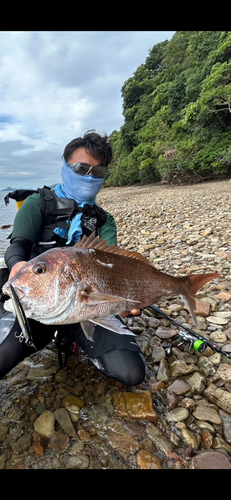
x=177, y=113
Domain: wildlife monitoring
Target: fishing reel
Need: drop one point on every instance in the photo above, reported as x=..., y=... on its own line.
x=194, y=343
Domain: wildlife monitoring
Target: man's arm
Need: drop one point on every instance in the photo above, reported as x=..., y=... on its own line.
x=17, y=254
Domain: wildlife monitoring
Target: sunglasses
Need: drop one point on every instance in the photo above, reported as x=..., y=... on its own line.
x=85, y=169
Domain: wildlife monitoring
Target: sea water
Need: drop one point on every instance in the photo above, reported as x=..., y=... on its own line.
x=7, y=215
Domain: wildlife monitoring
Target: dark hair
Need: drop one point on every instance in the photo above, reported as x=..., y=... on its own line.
x=94, y=144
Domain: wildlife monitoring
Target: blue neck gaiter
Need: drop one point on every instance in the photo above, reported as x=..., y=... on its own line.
x=83, y=189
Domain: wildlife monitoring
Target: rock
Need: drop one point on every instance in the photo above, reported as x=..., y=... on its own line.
x=207, y=438
x=163, y=371
x=179, y=387
x=207, y=414
x=158, y=354
x=223, y=296
x=79, y=461
x=210, y=460
x=203, y=308
x=73, y=400
x=3, y=432
x=220, y=443
x=178, y=414
x=206, y=366
x=226, y=419
x=41, y=372
x=63, y=418
x=217, y=320
x=224, y=372
x=45, y=424
x=218, y=337
x=136, y=405
x=22, y=444
x=219, y=396
x=161, y=443
x=197, y=382
x=121, y=441
x=58, y=442
x=146, y=460
x=179, y=368
x=61, y=376
x=171, y=399
x=189, y=438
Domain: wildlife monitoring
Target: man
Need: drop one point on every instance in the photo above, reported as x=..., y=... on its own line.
x=85, y=162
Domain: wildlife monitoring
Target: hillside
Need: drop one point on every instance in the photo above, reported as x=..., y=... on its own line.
x=177, y=112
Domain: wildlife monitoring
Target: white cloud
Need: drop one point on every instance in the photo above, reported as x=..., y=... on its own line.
x=55, y=86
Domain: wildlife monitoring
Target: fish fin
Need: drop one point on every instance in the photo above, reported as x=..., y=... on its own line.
x=109, y=322
x=88, y=329
x=95, y=242
x=112, y=323
x=97, y=298
x=192, y=284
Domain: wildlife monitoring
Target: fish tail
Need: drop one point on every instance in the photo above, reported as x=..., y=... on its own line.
x=191, y=285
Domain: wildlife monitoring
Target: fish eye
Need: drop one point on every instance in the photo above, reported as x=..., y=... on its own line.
x=39, y=269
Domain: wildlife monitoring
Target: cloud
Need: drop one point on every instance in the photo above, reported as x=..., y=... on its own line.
x=56, y=85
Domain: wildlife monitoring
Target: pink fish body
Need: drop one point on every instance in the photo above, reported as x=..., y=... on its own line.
x=94, y=280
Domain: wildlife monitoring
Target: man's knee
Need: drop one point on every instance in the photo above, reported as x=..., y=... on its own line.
x=128, y=367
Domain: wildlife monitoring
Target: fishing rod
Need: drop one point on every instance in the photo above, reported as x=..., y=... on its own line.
x=199, y=342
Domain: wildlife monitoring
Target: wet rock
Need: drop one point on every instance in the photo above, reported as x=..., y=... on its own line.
x=220, y=443
x=45, y=424
x=41, y=372
x=63, y=418
x=73, y=400
x=79, y=461
x=3, y=458
x=207, y=438
x=210, y=460
x=178, y=414
x=146, y=460
x=135, y=405
x=161, y=443
x=207, y=414
x=3, y=431
x=171, y=399
x=22, y=444
x=121, y=441
x=58, y=442
x=226, y=419
x=61, y=376
x=189, y=438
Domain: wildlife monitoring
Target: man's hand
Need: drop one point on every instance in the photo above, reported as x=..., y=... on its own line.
x=16, y=268
x=134, y=312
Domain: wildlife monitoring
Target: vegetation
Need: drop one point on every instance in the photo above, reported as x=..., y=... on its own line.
x=177, y=113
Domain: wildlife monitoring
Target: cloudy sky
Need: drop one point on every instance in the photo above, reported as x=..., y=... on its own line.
x=56, y=85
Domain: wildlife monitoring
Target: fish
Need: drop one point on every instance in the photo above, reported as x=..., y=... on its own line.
x=92, y=282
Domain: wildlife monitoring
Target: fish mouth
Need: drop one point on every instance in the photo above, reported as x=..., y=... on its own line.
x=51, y=318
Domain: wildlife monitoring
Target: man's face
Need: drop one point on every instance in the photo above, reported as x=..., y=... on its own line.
x=80, y=155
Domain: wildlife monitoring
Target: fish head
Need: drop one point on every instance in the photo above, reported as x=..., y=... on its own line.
x=45, y=286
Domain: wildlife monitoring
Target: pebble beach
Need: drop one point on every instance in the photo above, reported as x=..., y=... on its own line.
x=180, y=416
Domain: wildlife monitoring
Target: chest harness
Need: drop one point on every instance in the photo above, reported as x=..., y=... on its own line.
x=59, y=212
